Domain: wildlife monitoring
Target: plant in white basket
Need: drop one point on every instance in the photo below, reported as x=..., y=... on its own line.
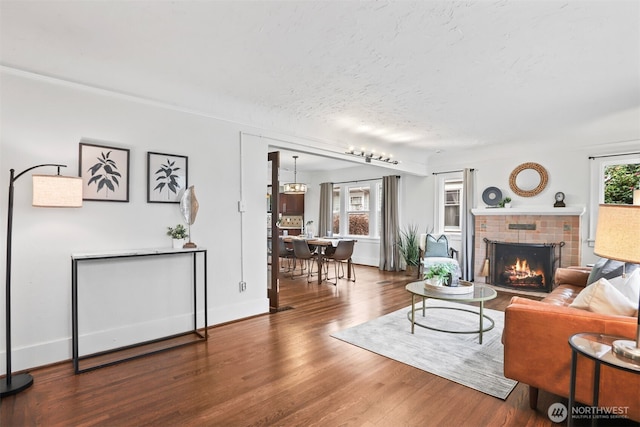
x=178, y=234
x=439, y=274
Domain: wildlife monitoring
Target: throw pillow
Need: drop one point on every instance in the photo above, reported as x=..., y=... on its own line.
x=437, y=247
x=609, y=269
x=602, y=297
x=628, y=286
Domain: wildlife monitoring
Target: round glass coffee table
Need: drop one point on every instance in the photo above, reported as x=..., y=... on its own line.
x=480, y=293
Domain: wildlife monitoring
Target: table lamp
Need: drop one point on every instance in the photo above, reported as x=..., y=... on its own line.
x=618, y=238
x=48, y=191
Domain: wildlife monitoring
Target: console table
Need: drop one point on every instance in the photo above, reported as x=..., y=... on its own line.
x=146, y=347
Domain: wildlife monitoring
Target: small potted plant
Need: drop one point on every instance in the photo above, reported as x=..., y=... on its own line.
x=178, y=234
x=505, y=203
x=440, y=274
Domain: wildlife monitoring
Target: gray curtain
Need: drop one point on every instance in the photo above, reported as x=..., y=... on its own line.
x=325, y=216
x=390, y=259
x=467, y=226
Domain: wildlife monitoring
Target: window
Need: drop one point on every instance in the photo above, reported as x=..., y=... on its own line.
x=612, y=181
x=336, y=210
x=619, y=182
x=448, y=208
x=452, y=189
x=379, y=209
x=358, y=211
x=355, y=211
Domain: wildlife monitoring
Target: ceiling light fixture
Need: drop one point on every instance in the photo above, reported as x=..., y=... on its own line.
x=295, y=187
x=372, y=155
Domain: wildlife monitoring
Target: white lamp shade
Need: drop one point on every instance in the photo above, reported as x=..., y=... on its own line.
x=636, y=197
x=617, y=233
x=57, y=191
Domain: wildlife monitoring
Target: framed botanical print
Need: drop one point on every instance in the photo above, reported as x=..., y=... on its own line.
x=105, y=173
x=167, y=177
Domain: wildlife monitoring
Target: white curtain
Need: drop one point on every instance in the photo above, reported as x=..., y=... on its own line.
x=467, y=225
x=325, y=216
x=390, y=259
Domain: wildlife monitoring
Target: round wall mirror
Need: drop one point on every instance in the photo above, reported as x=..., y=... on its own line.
x=528, y=179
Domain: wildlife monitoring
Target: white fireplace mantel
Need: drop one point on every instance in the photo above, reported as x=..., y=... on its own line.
x=530, y=210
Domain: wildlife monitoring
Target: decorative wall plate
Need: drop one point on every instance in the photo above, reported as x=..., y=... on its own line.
x=492, y=196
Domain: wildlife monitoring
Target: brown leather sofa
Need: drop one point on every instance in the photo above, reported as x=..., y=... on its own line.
x=537, y=353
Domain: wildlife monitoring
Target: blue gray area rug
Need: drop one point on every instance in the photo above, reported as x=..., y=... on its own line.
x=456, y=357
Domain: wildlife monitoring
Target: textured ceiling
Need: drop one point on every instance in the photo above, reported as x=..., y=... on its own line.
x=406, y=76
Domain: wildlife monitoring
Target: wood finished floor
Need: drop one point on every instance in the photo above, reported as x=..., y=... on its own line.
x=281, y=369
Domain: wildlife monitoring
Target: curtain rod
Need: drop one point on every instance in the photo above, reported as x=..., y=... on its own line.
x=363, y=180
x=461, y=170
x=613, y=155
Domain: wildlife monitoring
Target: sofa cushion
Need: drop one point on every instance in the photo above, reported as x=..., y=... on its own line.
x=563, y=295
x=602, y=297
x=571, y=276
x=629, y=286
x=609, y=269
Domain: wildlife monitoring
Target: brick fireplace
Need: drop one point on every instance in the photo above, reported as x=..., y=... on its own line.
x=528, y=226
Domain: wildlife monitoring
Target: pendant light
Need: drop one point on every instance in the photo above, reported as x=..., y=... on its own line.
x=295, y=187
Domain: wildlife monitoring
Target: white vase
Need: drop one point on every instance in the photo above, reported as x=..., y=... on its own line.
x=178, y=243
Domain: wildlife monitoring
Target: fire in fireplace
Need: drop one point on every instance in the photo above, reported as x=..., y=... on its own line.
x=526, y=266
x=520, y=273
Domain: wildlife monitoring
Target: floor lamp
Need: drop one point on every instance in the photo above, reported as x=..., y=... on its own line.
x=48, y=191
x=617, y=238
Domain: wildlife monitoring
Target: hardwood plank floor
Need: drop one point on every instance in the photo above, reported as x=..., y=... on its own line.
x=277, y=369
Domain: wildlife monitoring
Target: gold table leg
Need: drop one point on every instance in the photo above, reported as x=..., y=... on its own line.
x=413, y=312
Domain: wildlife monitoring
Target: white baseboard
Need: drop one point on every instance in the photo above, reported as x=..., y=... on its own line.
x=46, y=353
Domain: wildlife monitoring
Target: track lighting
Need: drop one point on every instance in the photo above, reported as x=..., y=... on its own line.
x=372, y=155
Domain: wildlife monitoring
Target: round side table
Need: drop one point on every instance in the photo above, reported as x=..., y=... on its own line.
x=596, y=347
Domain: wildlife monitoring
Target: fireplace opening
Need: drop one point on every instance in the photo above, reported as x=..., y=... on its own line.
x=527, y=266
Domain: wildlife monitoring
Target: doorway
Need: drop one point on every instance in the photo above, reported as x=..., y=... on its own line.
x=273, y=260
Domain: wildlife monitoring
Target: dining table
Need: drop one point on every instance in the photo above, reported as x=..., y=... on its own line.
x=322, y=243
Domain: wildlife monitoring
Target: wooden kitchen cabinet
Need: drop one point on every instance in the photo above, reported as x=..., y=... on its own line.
x=291, y=204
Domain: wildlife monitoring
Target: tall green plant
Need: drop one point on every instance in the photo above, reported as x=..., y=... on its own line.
x=409, y=245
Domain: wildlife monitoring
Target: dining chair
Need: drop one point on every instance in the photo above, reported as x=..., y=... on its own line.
x=343, y=253
x=286, y=253
x=303, y=253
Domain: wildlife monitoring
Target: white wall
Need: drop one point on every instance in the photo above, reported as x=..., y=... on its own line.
x=43, y=122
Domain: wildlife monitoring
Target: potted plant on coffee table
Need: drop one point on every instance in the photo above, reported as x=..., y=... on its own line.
x=440, y=274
